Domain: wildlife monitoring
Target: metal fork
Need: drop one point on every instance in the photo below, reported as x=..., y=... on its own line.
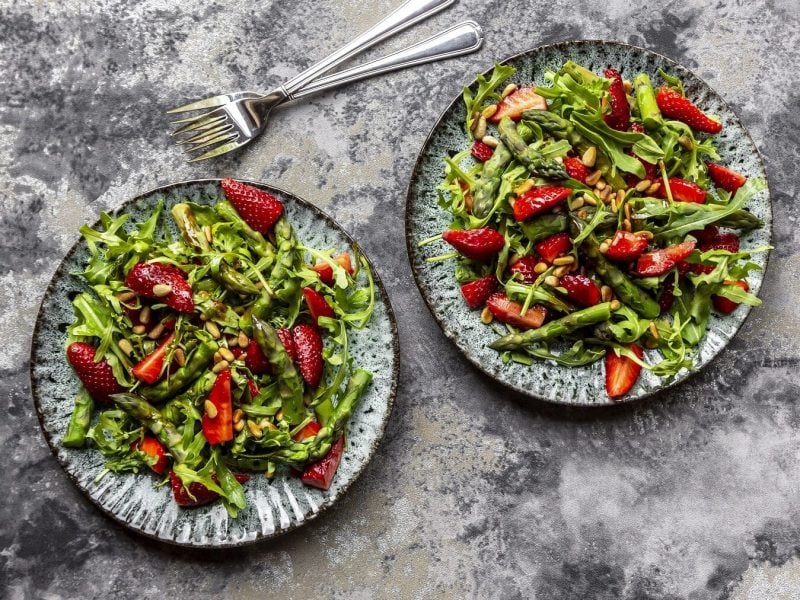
x=230, y=121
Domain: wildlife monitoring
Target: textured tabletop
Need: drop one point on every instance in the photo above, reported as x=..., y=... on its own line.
x=473, y=492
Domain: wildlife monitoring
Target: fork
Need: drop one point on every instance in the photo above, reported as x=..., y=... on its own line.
x=229, y=121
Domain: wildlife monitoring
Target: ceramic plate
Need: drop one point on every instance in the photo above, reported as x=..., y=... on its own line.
x=424, y=218
x=273, y=507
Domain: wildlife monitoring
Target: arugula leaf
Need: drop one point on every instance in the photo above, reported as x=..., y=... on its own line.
x=487, y=90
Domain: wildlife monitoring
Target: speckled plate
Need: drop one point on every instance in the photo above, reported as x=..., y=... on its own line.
x=273, y=507
x=424, y=218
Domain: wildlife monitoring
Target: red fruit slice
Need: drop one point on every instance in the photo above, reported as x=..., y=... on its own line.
x=152, y=447
x=721, y=241
x=551, y=248
x=321, y=473
x=477, y=292
x=508, y=311
x=683, y=191
x=308, y=431
x=144, y=278
x=580, y=289
x=288, y=342
x=219, y=428
x=725, y=178
x=659, y=262
x=622, y=372
x=576, y=169
x=725, y=305
x=516, y=103
x=481, y=151
x=675, y=106
x=259, y=209
x=620, y=116
x=480, y=244
x=197, y=494
x=308, y=345
x=317, y=305
x=708, y=234
x=626, y=245
x=149, y=368
x=526, y=268
x=96, y=377
x=255, y=359
x=325, y=271
x=539, y=200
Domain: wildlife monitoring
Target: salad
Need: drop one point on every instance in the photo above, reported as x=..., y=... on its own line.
x=593, y=219
x=217, y=347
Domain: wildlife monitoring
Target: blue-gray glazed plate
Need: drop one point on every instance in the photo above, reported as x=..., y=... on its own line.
x=273, y=506
x=424, y=219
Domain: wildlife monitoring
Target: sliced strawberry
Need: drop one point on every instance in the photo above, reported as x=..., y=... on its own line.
x=144, y=277
x=725, y=305
x=476, y=244
x=317, y=305
x=149, y=368
x=660, y=261
x=638, y=128
x=320, y=474
x=622, y=372
x=153, y=448
x=526, y=268
x=516, y=103
x=288, y=342
x=308, y=431
x=675, y=106
x=96, y=377
x=683, y=191
x=626, y=245
x=722, y=241
x=508, y=311
x=580, y=289
x=708, y=234
x=620, y=116
x=551, y=248
x=252, y=388
x=477, y=292
x=325, y=271
x=197, y=494
x=259, y=209
x=725, y=178
x=308, y=345
x=539, y=200
x=576, y=169
x=481, y=151
x=219, y=428
x=255, y=359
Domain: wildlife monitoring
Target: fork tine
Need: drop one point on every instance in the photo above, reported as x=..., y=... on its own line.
x=221, y=138
x=200, y=104
x=206, y=135
x=193, y=118
x=218, y=150
x=201, y=124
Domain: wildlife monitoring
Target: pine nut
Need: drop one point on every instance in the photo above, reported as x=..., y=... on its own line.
x=620, y=196
x=212, y=328
x=654, y=329
x=144, y=315
x=589, y=157
x=540, y=268
x=643, y=185
x=156, y=331
x=582, y=214
x=589, y=200
x=207, y=231
x=268, y=425
x=605, y=192
x=238, y=426
x=593, y=178
x=564, y=260
x=480, y=128
x=605, y=293
x=279, y=415
x=686, y=142
x=211, y=410
x=653, y=189
x=126, y=296
x=615, y=305
x=227, y=354
x=162, y=289
x=139, y=329
x=125, y=346
x=628, y=211
x=491, y=141
x=488, y=112
x=576, y=204
x=627, y=86
x=217, y=357
x=509, y=89
x=264, y=423
x=475, y=117
x=254, y=429
x=237, y=415
x=614, y=206
x=220, y=366
x=523, y=187
x=603, y=248
x=486, y=315
x=626, y=225
x=243, y=340
x=552, y=280
x=600, y=185
x=562, y=270
x=180, y=357
x=648, y=235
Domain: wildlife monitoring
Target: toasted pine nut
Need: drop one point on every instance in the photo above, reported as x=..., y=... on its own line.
x=686, y=142
x=589, y=157
x=620, y=196
x=227, y=354
x=589, y=199
x=576, y=204
x=144, y=315
x=593, y=177
x=475, y=116
x=156, y=331
x=552, y=280
x=243, y=340
x=162, y=289
x=237, y=415
x=125, y=346
x=220, y=366
x=648, y=235
x=561, y=271
x=480, y=128
x=582, y=214
x=267, y=424
x=540, y=268
x=564, y=260
x=523, y=187
x=254, y=429
x=603, y=248
x=605, y=192
x=486, y=315
x=491, y=141
x=180, y=357
x=654, y=329
x=614, y=205
x=139, y=329
x=643, y=185
x=605, y=293
x=238, y=425
x=626, y=225
x=211, y=410
x=600, y=185
x=653, y=189
x=207, y=231
x=627, y=86
x=279, y=415
x=628, y=211
x=217, y=357
x=488, y=112
x=509, y=89
x=615, y=305
x=126, y=296
x=212, y=328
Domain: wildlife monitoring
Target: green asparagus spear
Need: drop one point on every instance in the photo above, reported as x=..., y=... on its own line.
x=80, y=420
x=187, y=224
x=235, y=281
x=183, y=377
x=551, y=123
x=489, y=182
x=165, y=431
x=527, y=155
x=283, y=286
x=228, y=213
x=544, y=226
x=290, y=385
x=553, y=329
x=646, y=99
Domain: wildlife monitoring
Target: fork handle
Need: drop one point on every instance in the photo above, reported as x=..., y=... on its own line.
x=460, y=39
x=404, y=16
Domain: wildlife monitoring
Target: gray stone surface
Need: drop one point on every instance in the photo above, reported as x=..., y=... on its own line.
x=473, y=493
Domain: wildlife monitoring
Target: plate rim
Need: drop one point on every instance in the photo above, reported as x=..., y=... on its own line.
x=411, y=248
x=259, y=536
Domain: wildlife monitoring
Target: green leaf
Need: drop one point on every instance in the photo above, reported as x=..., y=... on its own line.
x=487, y=90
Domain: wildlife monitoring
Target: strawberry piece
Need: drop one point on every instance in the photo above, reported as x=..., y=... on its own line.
x=638, y=128
x=576, y=169
x=308, y=346
x=477, y=292
x=621, y=371
x=476, y=244
x=725, y=178
x=259, y=209
x=219, y=428
x=526, y=267
x=620, y=116
x=255, y=359
x=725, y=305
x=308, y=431
x=580, y=289
x=667, y=296
x=626, y=246
x=539, y=200
x=516, y=103
x=508, y=311
x=707, y=234
x=252, y=388
x=153, y=448
x=683, y=191
x=721, y=241
x=481, y=151
x=551, y=248
x=96, y=377
x=196, y=494
x=149, y=368
x=288, y=342
x=660, y=261
x=675, y=106
x=320, y=474
x=143, y=277
x=317, y=305
x=325, y=271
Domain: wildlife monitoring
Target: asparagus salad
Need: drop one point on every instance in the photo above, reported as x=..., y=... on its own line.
x=592, y=218
x=218, y=351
